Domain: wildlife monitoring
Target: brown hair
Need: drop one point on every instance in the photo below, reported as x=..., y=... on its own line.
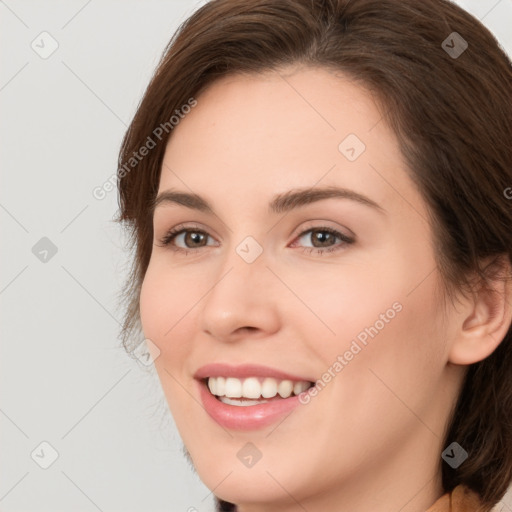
x=452, y=115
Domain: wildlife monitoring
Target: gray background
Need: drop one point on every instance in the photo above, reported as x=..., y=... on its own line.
x=63, y=377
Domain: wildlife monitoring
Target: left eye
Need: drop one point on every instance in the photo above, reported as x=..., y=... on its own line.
x=324, y=238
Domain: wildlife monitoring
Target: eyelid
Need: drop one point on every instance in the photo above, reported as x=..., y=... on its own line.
x=318, y=224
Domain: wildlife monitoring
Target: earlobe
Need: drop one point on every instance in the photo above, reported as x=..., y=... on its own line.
x=487, y=320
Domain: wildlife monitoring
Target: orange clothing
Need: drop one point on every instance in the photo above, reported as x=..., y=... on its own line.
x=461, y=499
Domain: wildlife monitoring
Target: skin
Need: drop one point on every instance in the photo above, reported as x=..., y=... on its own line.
x=371, y=438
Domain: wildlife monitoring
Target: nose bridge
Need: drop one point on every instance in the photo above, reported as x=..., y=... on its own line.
x=239, y=295
x=244, y=264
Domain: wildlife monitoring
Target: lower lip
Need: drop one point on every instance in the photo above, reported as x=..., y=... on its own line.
x=250, y=417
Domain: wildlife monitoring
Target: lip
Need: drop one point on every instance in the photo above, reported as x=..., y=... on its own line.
x=245, y=370
x=251, y=417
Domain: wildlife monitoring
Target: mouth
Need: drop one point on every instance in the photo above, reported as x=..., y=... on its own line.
x=254, y=390
x=250, y=396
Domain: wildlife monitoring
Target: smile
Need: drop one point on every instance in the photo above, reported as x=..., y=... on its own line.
x=253, y=390
x=248, y=397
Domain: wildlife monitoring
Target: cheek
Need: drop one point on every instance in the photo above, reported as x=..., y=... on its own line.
x=153, y=296
x=164, y=302
x=386, y=331
x=165, y=308
x=164, y=293
x=393, y=360
x=338, y=305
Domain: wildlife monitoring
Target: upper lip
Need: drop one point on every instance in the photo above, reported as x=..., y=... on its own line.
x=245, y=370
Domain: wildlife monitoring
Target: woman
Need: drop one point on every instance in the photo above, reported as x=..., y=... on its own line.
x=317, y=197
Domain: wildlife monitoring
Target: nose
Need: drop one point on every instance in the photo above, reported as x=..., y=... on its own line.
x=243, y=300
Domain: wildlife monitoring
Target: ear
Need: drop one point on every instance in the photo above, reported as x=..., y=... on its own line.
x=486, y=316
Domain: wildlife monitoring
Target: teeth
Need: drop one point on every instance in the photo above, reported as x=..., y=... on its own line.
x=212, y=386
x=285, y=388
x=233, y=388
x=251, y=388
x=299, y=387
x=241, y=402
x=269, y=388
x=221, y=386
x=254, y=388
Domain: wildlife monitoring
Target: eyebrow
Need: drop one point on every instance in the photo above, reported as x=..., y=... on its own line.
x=280, y=203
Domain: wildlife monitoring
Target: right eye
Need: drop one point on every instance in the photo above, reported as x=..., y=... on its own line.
x=184, y=239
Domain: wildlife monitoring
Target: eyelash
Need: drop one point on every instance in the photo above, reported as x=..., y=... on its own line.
x=173, y=233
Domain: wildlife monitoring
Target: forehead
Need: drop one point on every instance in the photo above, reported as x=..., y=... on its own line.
x=282, y=129
x=282, y=106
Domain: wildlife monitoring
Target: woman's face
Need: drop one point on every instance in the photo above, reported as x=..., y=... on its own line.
x=338, y=287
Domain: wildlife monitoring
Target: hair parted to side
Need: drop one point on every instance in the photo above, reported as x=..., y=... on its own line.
x=452, y=118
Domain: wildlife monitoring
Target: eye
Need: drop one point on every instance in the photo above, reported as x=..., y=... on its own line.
x=323, y=239
x=185, y=239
